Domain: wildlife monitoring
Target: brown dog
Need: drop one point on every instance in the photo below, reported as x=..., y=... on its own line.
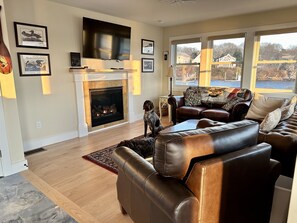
x=151, y=119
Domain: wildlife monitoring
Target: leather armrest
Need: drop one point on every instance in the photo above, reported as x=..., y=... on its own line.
x=240, y=110
x=169, y=194
x=175, y=102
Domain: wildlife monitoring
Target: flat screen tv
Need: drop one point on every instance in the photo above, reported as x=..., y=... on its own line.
x=106, y=41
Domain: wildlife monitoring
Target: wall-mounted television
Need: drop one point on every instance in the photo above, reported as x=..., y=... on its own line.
x=106, y=41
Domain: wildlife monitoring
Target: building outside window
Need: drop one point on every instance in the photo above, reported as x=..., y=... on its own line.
x=275, y=61
x=187, y=61
x=226, y=60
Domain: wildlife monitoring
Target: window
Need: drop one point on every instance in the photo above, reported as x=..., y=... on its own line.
x=187, y=61
x=227, y=60
x=276, y=60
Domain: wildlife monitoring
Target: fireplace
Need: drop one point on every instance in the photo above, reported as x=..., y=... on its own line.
x=106, y=105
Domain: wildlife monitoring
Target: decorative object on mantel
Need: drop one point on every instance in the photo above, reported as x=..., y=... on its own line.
x=147, y=65
x=34, y=64
x=75, y=59
x=32, y=36
x=5, y=59
x=170, y=75
x=147, y=47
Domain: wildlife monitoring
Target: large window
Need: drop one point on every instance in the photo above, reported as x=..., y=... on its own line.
x=227, y=60
x=187, y=61
x=276, y=61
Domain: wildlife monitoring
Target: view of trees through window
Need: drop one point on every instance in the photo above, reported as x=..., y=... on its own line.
x=187, y=63
x=227, y=59
x=277, y=61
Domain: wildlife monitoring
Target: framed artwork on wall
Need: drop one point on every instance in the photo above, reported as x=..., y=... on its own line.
x=29, y=35
x=34, y=64
x=147, y=65
x=147, y=47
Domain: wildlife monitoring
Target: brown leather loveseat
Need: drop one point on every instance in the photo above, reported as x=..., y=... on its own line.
x=215, y=174
x=216, y=103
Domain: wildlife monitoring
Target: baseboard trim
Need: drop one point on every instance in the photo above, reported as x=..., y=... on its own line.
x=16, y=168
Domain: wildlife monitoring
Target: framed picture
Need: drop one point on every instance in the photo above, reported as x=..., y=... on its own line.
x=32, y=36
x=34, y=64
x=147, y=65
x=147, y=47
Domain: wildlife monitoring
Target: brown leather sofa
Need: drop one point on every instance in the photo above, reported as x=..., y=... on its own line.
x=215, y=174
x=283, y=139
x=219, y=104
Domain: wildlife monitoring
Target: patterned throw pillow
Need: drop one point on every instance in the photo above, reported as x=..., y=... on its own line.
x=271, y=120
x=230, y=104
x=287, y=111
x=192, y=96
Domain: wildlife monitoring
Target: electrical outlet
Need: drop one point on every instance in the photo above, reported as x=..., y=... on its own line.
x=38, y=125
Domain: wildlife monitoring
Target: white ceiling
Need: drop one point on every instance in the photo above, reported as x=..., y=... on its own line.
x=165, y=13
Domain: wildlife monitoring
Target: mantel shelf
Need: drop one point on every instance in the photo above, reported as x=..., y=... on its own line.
x=87, y=70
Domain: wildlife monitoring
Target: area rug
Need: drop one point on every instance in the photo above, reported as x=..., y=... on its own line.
x=20, y=201
x=103, y=157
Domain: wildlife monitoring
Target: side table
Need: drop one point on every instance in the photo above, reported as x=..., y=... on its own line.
x=163, y=101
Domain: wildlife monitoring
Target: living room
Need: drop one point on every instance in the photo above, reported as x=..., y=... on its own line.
x=47, y=107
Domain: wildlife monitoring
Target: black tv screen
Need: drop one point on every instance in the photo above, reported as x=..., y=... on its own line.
x=106, y=41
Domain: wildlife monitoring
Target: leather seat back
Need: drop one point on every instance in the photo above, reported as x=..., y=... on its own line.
x=174, y=151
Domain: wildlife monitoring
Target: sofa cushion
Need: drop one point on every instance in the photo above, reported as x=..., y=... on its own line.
x=271, y=120
x=189, y=111
x=174, y=151
x=262, y=105
x=216, y=114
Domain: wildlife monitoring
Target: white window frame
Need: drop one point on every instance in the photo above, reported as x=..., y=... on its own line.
x=174, y=44
x=210, y=48
x=257, y=62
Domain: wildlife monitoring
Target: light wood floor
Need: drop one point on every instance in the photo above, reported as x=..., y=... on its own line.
x=83, y=189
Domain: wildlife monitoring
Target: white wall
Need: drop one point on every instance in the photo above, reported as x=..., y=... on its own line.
x=51, y=100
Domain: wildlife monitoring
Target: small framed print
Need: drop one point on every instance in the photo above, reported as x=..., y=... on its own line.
x=147, y=65
x=147, y=47
x=29, y=35
x=34, y=64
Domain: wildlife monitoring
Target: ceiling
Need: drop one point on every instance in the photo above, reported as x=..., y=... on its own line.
x=173, y=12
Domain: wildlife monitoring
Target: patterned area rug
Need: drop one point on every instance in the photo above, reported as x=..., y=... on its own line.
x=103, y=157
x=21, y=202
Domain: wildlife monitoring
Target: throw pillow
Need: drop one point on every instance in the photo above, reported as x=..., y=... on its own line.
x=230, y=104
x=287, y=111
x=293, y=100
x=271, y=120
x=192, y=97
x=262, y=105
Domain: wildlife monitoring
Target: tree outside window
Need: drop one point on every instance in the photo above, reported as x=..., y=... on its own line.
x=276, y=61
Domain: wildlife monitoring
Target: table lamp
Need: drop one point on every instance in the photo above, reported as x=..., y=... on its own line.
x=170, y=75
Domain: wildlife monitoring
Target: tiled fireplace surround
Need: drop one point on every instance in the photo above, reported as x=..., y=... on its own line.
x=86, y=79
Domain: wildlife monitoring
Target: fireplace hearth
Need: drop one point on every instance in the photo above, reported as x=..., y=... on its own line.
x=106, y=105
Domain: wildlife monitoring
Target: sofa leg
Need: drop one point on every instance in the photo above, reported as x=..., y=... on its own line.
x=123, y=210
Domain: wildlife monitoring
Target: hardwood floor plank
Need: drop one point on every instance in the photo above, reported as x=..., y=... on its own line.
x=83, y=189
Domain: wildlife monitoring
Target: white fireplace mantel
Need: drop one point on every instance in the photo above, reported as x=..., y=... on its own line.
x=83, y=75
